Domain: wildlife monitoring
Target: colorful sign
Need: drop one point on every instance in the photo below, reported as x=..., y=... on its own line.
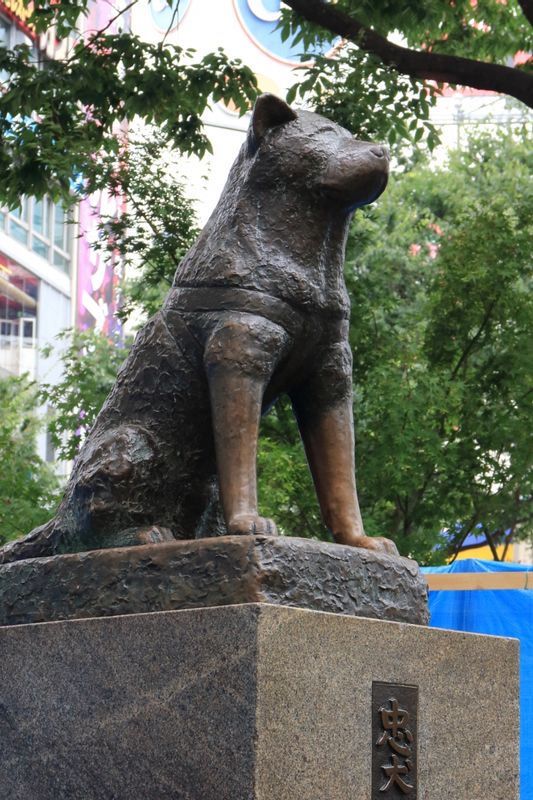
x=259, y=19
x=18, y=9
x=48, y=41
x=99, y=273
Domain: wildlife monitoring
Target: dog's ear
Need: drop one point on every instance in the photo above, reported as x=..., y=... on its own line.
x=268, y=112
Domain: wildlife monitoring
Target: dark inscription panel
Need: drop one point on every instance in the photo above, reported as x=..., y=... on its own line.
x=394, y=741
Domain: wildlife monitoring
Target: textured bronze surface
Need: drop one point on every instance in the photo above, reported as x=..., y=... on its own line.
x=394, y=741
x=258, y=308
x=213, y=572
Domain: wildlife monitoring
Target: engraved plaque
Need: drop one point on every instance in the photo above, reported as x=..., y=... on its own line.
x=394, y=741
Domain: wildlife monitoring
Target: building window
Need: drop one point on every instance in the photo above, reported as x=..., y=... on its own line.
x=44, y=227
x=18, y=226
x=18, y=319
x=10, y=36
x=5, y=41
x=40, y=225
x=61, y=242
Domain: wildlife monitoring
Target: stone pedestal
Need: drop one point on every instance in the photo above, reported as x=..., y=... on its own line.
x=302, y=573
x=254, y=702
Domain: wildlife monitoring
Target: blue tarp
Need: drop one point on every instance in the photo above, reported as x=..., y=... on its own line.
x=501, y=612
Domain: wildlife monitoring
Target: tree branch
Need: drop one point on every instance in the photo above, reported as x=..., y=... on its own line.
x=420, y=64
x=473, y=341
x=491, y=544
x=98, y=31
x=456, y=546
x=508, y=542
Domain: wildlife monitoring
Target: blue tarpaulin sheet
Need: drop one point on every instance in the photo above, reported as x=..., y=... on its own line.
x=500, y=612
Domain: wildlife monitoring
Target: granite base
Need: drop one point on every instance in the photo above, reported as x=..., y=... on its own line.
x=248, y=702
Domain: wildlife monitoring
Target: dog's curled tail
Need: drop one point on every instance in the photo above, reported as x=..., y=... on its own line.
x=41, y=541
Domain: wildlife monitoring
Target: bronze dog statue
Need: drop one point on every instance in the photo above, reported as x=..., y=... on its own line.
x=258, y=308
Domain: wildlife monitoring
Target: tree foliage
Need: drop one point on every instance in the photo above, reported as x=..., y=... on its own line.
x=28, y=487
x=57, y=123
x=155, y=227
x=371, y=100
x=462, y=43
x=90, y=364
x=441, y=292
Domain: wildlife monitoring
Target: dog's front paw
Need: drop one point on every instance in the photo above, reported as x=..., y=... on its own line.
x=252, y=525
x=377, y=543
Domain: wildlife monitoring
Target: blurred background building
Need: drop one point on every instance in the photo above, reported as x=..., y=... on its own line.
x=50, y=279
x=37, y=252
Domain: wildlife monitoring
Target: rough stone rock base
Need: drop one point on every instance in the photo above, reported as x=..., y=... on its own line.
x=249, y=702
x=213, y=572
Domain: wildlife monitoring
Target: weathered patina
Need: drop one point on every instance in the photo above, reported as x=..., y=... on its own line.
x=220, y=571
x=258, y=308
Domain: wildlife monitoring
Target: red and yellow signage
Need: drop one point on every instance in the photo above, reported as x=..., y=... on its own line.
x=19, y=10
x=48, y=42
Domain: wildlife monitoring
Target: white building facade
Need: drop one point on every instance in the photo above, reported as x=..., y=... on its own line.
x=37, y=254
